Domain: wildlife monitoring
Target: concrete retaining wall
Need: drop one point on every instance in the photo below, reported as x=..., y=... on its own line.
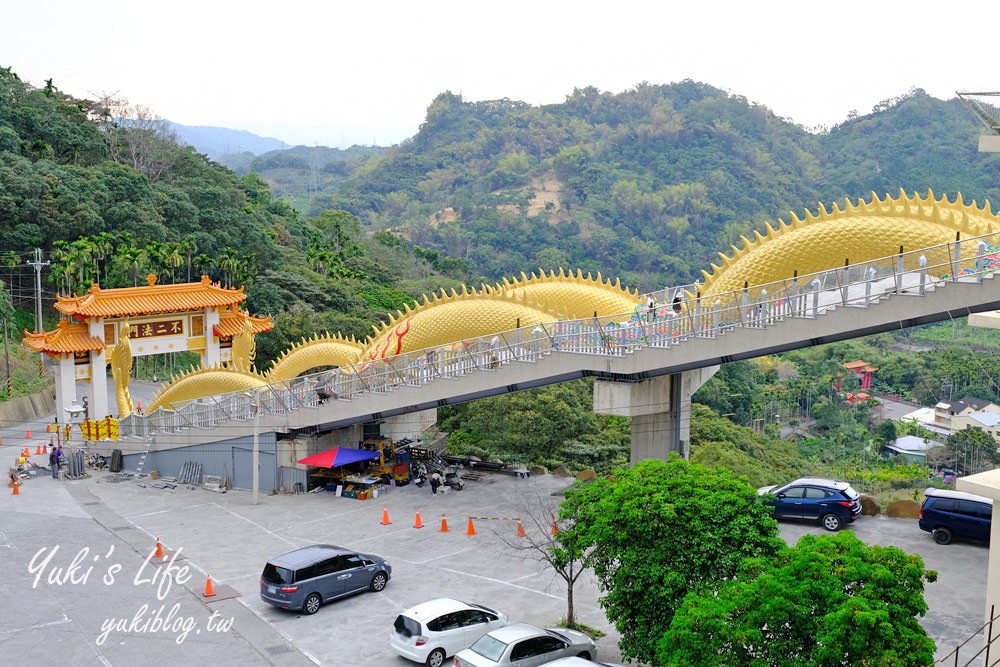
x=28, y=408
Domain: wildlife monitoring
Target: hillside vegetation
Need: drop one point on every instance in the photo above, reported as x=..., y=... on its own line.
x=647, y=185
x=109, y=198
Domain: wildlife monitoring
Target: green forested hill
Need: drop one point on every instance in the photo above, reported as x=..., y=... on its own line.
x=108, y=195
x=649, y=184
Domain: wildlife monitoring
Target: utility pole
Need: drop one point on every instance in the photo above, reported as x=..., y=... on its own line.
x=38, y=264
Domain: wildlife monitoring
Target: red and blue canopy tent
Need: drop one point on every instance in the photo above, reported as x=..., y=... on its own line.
x=338, y=456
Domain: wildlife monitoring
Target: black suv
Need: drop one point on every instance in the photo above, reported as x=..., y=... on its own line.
x=948, y=514
x=828, y=501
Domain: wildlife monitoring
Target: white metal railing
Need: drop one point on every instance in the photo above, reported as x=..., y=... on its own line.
x=757, y=306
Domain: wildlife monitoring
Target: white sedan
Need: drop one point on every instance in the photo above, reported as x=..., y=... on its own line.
x=433, y=630
x=525, y=646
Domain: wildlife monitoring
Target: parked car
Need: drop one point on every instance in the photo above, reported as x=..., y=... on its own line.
x=574, y=661
x=947, y=514
x=307, y=577
x=525, y=645
x=434, y=630
x=831, y=502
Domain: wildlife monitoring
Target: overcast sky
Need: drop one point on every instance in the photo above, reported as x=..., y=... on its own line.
x=341, y=73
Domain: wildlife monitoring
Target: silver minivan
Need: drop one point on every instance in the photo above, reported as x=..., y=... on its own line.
x=306, y=578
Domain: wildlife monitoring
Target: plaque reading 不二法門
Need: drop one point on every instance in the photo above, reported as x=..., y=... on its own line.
x=158, y=328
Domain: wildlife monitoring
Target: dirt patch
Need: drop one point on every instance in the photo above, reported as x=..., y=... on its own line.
x=547, y=193
x=546, y=197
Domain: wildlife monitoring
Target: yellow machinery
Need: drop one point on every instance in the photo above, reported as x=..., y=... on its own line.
x=382, y=466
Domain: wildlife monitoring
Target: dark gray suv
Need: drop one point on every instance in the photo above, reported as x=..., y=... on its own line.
x=307, y=577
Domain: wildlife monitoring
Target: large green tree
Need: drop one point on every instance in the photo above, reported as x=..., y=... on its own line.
x=659, y=530
x=832, y=601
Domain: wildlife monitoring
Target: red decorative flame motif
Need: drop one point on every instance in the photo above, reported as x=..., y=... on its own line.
x=401, y=330
x=380, y=351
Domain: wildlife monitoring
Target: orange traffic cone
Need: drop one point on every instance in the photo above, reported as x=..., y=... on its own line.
x=209, y=591
x=38, y=449
x=418, y=523
x=385, y=515
x=45, y=448
x=17, y=490
x=444, y=524
x=472, y=528
x=48, y=428
x=28, y=434
x=520, y=528
x=25, y=452
x=159, y=549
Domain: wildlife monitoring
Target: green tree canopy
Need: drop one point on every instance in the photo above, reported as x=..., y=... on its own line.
x=832, y=601
x=660, y=530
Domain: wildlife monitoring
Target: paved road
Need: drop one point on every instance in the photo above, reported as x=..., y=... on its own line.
x=55, y=614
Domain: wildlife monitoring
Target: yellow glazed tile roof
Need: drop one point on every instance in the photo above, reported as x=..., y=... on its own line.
x=149, y=299
x=231, y=324
x=67, y=338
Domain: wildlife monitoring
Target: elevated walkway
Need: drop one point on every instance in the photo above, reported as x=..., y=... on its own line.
x=832, y=306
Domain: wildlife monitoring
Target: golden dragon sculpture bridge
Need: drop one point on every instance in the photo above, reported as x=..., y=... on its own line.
x=858, y=232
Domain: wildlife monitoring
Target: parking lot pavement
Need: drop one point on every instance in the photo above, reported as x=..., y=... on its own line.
x=225, y=535
x=76, y=591
x=55, y=620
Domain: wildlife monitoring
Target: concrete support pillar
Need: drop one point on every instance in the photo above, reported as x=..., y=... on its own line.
x=64, y=371
x=660, y=409
x=97, y=401
x=213, y=353
x=410, y=425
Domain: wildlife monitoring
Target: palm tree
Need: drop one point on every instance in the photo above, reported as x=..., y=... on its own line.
x=134, y=261
x=247, y=269
x=204, y=264
x=229, y=263
x=313, y=254
x=174, y=257
x=103, y=250
x=156, y=253
x=82, y=256
x=60, y=263
x=189, y=246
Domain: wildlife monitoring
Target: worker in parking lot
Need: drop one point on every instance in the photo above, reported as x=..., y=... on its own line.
x=435, y=482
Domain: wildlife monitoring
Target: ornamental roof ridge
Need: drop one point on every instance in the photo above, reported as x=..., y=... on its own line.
x=68, y=337
x=147, y=299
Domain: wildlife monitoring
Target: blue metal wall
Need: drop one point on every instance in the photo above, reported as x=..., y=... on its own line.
x=231, y=458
